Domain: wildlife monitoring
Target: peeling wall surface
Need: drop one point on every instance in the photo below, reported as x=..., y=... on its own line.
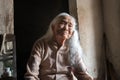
x=6, y=16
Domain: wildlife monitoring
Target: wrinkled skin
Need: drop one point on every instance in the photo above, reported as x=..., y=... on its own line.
x=63, y=29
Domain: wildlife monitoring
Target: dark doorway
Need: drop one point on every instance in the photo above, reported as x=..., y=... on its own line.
x=31, y=20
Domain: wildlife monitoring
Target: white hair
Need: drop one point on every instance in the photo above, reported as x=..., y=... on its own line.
x=73, y=42
x=49, y=33
x=75, y=47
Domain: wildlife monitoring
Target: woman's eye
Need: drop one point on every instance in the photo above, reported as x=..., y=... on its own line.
x=62, y=22
x=70, y=25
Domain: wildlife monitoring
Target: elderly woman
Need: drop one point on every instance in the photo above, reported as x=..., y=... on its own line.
x=57, y=55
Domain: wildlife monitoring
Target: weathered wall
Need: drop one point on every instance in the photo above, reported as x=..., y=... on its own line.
x=90, y=18
x=99, y=26
x=112, y=31
x=6, y=16
x=91, y=33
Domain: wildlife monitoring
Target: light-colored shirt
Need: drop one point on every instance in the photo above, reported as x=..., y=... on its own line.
x=50, y=62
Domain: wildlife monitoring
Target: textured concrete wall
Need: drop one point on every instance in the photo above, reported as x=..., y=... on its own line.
x=91, y=34
x=112, y=31
x=6, y=16
x=90, y=19
x=99, y=26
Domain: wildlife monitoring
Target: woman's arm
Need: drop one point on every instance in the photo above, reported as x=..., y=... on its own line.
x=34, y=63
x=81, y=70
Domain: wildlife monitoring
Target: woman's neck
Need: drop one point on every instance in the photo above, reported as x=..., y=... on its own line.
x=60, y=41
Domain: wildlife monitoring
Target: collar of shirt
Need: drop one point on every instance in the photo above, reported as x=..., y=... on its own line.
x=54, y=45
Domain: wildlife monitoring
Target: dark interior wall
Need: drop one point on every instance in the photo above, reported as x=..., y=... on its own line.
x=31, y=20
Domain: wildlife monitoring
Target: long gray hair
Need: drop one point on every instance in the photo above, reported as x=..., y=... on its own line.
x=73, y=42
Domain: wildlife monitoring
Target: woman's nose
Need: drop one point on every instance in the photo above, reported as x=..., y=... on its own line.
x=66, y=27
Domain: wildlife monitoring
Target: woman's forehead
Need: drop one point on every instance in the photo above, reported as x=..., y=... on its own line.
x=67, y=19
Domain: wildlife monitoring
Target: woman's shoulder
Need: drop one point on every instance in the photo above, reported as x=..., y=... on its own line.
x=41, y=42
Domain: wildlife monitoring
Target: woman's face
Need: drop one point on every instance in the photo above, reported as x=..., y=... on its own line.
x=63, y=29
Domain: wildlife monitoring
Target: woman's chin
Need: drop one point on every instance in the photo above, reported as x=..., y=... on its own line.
x=64, y=37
